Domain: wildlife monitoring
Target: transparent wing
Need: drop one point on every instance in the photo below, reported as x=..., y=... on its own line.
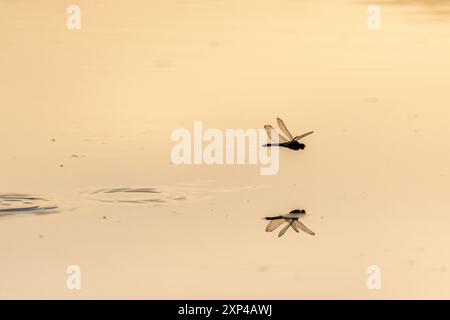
x=284, y=229
x=294, y=226
x=283, y=128
x=302, y=227
x=270, y=130
x=303, y=135
x=274, y=224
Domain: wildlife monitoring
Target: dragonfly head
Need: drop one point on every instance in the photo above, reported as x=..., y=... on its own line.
x=301, y=146
x=298, y=211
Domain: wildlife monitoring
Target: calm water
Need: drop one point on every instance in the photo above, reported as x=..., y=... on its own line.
x=86, y=174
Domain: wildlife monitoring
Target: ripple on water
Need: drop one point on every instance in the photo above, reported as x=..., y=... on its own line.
x=20, y=204
x=137, y=195
x=164, y=194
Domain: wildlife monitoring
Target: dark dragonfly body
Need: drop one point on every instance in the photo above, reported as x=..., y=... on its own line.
x=293, y=145
x=294, y=214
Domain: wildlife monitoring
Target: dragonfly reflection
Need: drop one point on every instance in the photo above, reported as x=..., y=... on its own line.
x=292, y=221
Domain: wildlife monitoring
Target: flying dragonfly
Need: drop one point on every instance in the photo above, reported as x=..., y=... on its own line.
x=292, y=221
x=290, y=143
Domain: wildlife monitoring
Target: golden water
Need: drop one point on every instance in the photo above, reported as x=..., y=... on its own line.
x=86, y=118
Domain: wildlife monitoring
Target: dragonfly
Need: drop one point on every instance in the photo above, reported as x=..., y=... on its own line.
x=292, y=221
x=290, y=143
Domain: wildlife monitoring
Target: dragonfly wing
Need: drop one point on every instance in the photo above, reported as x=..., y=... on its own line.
x=271, y=131
x=274, y=224
x=283, y=231
x=303, y=135
x=294, y=226
x=283, y=128
x=302, y=227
